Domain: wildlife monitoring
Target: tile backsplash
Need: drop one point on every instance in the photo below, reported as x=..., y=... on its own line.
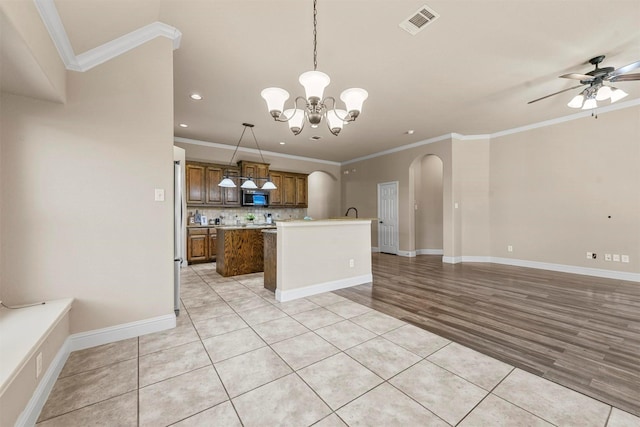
x=231, y=216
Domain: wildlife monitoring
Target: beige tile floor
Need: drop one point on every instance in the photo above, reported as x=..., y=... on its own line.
x=238, y=357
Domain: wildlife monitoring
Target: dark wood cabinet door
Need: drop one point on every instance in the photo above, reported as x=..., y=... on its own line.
x=288, y=190
x=196, y=186
x=213, y=246
x=232, y=195
x=301, y=191
x=197, y=247
x=214, y=192
x=275, y=196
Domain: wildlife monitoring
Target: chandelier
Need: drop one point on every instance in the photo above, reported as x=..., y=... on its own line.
x=313, y=107
x=249, y=181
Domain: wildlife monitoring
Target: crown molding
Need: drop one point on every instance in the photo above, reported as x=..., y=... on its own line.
x=103, y=53
x=253, y=151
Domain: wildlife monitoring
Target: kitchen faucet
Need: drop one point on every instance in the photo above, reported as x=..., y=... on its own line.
x=348, y=210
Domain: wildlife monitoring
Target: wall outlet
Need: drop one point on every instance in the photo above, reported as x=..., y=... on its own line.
x=352, y=263
x=625, y=258
x=616, y=257
x=38, y=365
x=509, y=248
x=589, y=255
x=607, y=257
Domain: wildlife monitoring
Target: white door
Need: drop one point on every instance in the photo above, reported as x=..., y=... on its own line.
x=388, y=217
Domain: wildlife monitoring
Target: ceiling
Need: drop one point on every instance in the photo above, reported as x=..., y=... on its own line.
x=472, y=71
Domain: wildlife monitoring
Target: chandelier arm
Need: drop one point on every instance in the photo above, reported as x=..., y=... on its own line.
x=348, y=117
x=295, y=105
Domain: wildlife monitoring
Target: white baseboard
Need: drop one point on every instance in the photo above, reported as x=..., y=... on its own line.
x=375, y=249
x=31, y=412
x=80, y=341
x=121, y=332
x=410, y=254
x=307, y=291
x=429, y=252
x=587, y=271
x=451, y=259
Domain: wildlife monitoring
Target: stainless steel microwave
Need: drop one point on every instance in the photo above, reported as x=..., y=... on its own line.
x=255, y=198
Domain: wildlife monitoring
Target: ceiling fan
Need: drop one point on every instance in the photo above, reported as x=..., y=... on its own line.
x=596, y=89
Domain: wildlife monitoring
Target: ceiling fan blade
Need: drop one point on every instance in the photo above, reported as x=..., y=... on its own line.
x=556, y=93
x=625, y=78
x=576, y=76
x=625, y=69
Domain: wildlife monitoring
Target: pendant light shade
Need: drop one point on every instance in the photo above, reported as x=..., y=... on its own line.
x=269, y=186
x=617, y=95
x=590, y=104
x=576, y=102
x=227, y=183
x=249, y=185
x=275, y=98
x=353, y=99
x=295, y=118
x=335, y=120
x=314, y=83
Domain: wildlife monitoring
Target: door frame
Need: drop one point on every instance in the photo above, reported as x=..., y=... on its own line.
x=397, y=227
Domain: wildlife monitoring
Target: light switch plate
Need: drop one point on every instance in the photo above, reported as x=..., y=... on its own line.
x=624, y=258
x=159, y=195
x=616, y=257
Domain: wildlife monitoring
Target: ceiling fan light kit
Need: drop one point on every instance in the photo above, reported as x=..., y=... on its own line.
x=597, y=90
x=314, y=105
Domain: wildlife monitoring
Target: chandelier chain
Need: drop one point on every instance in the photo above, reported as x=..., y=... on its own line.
x=315, y=36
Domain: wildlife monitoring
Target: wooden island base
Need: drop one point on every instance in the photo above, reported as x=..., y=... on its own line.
x=240, y=251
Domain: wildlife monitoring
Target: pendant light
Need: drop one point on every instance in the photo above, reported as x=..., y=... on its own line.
x=249, y=183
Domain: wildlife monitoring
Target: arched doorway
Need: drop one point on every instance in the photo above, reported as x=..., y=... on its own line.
x=323, y=195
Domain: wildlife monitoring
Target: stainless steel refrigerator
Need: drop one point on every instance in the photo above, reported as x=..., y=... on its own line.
x=178, y=233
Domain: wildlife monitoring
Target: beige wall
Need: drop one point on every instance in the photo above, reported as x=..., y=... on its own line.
x=553, y=188
x=359, y=189
x=548, y=192
x=79, y=217
x=428, y=203
x=324, y=187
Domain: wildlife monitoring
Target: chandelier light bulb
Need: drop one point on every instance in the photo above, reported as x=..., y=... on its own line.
x=617, y=95
x=576, y=102
x=295, y=118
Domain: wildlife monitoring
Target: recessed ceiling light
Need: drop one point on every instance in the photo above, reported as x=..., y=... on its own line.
x=282, y=142
x=195, y=96
x=183, y=125
x=409, y=132
x=315, y=138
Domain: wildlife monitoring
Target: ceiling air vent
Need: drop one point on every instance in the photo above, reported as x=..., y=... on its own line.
x=419, y=20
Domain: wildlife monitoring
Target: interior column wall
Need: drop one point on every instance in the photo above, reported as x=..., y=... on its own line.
x=79, y=217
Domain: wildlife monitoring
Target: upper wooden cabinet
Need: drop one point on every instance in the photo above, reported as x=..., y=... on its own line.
x=203, y=189
x=258, y=171
x=202, y=185
x=291, y=192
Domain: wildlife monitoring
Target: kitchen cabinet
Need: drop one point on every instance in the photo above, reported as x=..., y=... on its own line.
x=291, y=192
x=196, y=183
x=254, y=170
x=201, y=244
x=202, y=185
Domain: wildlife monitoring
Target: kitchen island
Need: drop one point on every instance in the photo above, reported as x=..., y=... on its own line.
x=240, y=249
x=318, y=256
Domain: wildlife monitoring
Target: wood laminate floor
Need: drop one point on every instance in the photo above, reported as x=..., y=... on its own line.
x=579, y=331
